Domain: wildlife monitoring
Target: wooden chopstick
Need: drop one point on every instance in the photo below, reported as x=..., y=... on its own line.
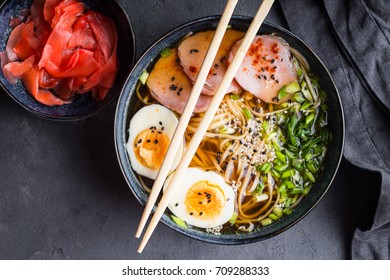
x=198, y=136
x=186, y=115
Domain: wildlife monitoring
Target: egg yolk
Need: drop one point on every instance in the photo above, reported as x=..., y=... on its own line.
x=150, y=147
x=205, y=200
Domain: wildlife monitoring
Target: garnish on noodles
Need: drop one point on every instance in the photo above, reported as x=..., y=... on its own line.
x=267, y=141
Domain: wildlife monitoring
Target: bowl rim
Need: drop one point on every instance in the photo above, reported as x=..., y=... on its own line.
x=120, y=116
x=100, y=108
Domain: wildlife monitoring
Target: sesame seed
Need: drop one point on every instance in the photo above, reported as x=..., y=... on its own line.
x=160, y=123
x=177, y=204
x=201, y=213
x=191, y=213
x=173, y=87
x=156, y=141
x=139, y=141
x=148, y=141
x=272, y=60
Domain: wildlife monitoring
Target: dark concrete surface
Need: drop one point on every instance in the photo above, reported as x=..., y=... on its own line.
x=63, y=196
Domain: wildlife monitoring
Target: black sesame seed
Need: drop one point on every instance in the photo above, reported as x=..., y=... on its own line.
x=173, y=87
x=262, y=69
x=273, y=77
x=199, y=193
x=173, y=78
x=194, y=51
x=272, y=60
x=191, y=213
x=264, y=58
x=139, y=141
x=200, y=202
x=277, y=81
x=275, y=67
x=148, y=141
x=160, y=132
x=281, y=60
x=216, y=65
x=162, y=128
x=265, y=77
x=201, y=213
x=156, y=141
x=160, y=123
x=208, y=201
x=177, y=204
x=259, y=77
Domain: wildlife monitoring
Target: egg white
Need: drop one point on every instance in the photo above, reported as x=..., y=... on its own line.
x=190, y=177
x=145, y=118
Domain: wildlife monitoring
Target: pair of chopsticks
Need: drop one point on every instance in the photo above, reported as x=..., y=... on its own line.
x=186, y=115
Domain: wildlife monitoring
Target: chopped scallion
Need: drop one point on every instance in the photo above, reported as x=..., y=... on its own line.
x=144, y=77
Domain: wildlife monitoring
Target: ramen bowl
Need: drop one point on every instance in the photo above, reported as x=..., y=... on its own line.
x=129, y=104
x=84, y=105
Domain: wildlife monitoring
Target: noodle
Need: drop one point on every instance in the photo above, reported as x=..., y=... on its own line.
x=244, y=142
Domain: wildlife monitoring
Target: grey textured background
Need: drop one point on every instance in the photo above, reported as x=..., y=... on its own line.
x=63, y=196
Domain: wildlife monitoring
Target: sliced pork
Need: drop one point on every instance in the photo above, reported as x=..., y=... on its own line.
x=192, y=52
x=170, y=86
x=266, y=68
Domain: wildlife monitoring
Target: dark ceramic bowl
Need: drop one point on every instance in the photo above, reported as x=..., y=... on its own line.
x=128, y=105
x=83, y=106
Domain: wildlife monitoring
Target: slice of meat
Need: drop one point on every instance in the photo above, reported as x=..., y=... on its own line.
x=192, y=52
x=266, y=68
x=171, y=87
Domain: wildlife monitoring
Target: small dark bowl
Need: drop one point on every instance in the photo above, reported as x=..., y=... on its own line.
x=83, y=106
x=128, y=105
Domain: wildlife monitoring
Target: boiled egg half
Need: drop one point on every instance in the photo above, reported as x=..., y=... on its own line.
x=150, y=133
x=202, y=199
